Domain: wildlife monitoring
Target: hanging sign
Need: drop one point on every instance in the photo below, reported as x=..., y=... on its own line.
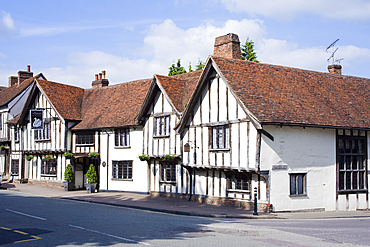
x=36, y=119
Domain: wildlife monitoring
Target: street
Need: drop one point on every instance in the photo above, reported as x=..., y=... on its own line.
x=27, y=220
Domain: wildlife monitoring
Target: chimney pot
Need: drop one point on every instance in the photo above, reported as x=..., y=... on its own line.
x=28, y=68
x=103, y=72
x=96, y=77
x=227, y=46
x=100, y=76
x=335, y=69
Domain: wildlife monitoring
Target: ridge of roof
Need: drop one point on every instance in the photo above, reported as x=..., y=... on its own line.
x=112, y=106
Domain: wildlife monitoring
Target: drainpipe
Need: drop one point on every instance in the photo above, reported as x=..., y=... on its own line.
x=107, y=156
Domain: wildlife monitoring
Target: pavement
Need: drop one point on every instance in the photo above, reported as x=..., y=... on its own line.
x=171, y=205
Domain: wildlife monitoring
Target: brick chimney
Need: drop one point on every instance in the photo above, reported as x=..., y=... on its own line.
x=100, y=80
x=227, y=46
x=22, y=75
x=335, y=69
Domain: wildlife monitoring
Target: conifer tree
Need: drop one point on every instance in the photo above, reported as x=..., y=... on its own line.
x=176, y=69
x=248, y=52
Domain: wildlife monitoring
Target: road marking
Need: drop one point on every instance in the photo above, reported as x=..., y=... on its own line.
x=33, y=237
x=109, y=235
x=39, y=218
x=20, y=232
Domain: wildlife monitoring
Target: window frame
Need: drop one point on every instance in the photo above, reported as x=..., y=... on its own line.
x=49, y=165
x=168, y=172
x=233, y=179
x=119, y=134
x=85, y=138
x=164, y=122
x=44, y=133
x=294, y=176
x=127, y=165
x=1, y=121
x=15, y=162
x=219, y=137
x=351, y=145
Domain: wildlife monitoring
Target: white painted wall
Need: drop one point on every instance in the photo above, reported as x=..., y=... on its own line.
x=140, y=172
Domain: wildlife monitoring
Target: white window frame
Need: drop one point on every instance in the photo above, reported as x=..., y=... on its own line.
x=122, y=137
x=162, y=126
x=219, y=137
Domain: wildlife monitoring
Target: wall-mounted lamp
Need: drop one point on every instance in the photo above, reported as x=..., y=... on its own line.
x=104, y=164
x=187, y=148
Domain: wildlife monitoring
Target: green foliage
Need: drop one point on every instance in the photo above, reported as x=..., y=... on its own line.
x=176, y=69
x=48, y=157
x=190, y=69
x=248, y=52
x=144, y=157
x=200, y=65
x=2, y=147
x=68, y=173
x=29, y=157
x=91, y=175
x=169, y=157
x=93, y=154
x=68, y=154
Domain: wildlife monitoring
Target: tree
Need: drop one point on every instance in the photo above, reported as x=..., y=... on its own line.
x=200, y=65
x=248, y=52
x=176, y=69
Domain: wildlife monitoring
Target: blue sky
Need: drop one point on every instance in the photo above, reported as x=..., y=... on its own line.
x=71, y=41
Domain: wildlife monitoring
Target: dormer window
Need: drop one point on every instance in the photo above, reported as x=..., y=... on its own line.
x=162, y=126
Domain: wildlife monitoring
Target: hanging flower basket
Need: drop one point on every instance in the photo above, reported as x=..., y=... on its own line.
x=2, y=147
x=94, y=155
x=68, y=155
x=47, y=157
x=144, y=157
x=29, y=157
x=169, y=157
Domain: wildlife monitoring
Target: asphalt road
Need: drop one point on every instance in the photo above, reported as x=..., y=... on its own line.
x=27, y=220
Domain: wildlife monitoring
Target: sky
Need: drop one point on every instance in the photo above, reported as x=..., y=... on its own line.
x=70, y=41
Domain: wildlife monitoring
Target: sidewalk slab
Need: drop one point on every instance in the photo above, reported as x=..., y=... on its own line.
x=170, y=205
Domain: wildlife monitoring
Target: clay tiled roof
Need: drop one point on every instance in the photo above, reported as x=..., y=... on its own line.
x=179, y=88
x=282, y=95
x=8, y=94
x=113, y=106
x=66, y=99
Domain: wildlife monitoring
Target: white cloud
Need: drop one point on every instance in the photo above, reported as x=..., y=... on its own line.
x=164, y=43
x=286, y=9
x=7, y=27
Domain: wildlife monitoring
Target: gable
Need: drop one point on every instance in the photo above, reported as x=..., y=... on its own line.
x=288, y=96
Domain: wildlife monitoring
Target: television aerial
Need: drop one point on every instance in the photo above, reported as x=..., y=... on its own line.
x=331, y=48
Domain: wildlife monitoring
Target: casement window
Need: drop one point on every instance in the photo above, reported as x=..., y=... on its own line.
x=162, y=126
x=238, y=182
x=16, y=134
x=49, y=167
x=15, y=167
x=168, y=171
x=122, y=169
x=43, y=134
x=297, y=184
x=85, y=138
x=122, y=137
x=219, y=137
x=351, y=161
x=1, y=121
